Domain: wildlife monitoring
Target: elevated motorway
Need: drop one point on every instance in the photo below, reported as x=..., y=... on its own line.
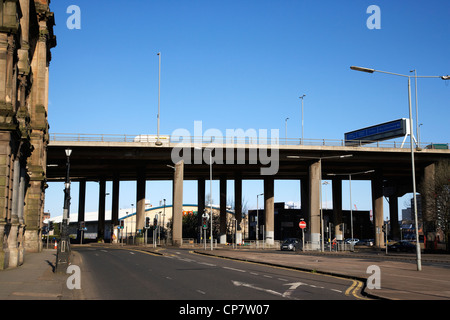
x=101, y=156
x=111, y=158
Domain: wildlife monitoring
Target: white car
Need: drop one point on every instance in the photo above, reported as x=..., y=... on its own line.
x=352, y=241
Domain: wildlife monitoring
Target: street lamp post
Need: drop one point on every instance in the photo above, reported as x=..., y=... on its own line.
x=416, y=224
x=63, y=251
x=158, y=142
x=417, y=109
x=285, y=129
x=257, y=217
x=302, y=118
x=320, y=191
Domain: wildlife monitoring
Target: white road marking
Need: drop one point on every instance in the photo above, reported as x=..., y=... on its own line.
x=207, y=264
x=248, y=285
x=229, y=268
x=293, y=286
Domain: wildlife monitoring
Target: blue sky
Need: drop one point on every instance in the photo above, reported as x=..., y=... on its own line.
x=243, y=64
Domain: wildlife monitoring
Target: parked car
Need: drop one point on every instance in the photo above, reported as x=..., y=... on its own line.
x=291, y=244
x=404, y=246
x=365, y=242
x=352, y=241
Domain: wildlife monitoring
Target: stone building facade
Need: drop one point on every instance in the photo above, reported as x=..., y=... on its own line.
x=26, y=37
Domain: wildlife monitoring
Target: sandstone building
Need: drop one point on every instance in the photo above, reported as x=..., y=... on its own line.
x=26, y=37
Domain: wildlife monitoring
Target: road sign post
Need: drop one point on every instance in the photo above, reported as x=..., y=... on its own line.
x=302, y=225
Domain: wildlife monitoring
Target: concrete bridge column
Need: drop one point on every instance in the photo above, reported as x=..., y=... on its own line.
x=115, y=201
x=314, y=203
x=140, y=200
x=377, y=209
x=337, y=208
x=304, y=198
x=201, y=206
x=101, y=210
x=177, y=215
x=81, y=204
x=223, y=210
x=238, y=207
x=393, y=217
x=269, y=209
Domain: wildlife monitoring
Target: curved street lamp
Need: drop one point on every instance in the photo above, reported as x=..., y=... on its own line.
x=368, y=70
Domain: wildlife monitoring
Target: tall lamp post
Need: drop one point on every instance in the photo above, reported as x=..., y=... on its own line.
x=63, y=251
x=285, y=129
x=158, y=143
x=416, y=223
x=417, y=109
x=257, y=217
x=302, y=118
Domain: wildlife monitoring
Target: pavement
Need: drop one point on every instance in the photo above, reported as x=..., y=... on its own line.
x=399, y=278
x=35, y=279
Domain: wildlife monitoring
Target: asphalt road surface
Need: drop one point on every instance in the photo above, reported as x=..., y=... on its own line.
x=119, y=274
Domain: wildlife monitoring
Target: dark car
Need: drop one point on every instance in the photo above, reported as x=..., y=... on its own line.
x=291, y=244
x=402, y=246
x=365, y=242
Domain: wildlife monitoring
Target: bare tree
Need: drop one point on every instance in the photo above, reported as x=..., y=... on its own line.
x=438, y=191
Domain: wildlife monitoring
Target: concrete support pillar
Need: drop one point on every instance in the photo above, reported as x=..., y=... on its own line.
x=314, y=203
x=337, y=208
x=201, y=206
x=238, y=207
x=177, y=216
x=377, y=209
x=101, y=210
x=304, y=199
x=82, y=201
x=115, y=201
x=140, y=200
x=81, y=205
x=269, y=210
x=223, y=211
x=393, y=217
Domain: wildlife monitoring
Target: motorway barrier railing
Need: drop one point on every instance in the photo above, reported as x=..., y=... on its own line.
x=227, y=141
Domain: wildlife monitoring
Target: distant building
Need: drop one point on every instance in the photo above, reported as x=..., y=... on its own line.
x=162, y=213
x=286, y=222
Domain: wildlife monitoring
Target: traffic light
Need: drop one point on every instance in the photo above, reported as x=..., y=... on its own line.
x=121, y=224
x=205, y=219
x=50, y=226
x=147, y=222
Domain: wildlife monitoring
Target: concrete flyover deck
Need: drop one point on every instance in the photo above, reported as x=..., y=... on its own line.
x=91, y=160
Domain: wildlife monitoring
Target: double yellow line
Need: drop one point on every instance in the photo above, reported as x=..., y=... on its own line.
x=354, y=290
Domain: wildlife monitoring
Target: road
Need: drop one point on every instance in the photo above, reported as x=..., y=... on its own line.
x=111, y=274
